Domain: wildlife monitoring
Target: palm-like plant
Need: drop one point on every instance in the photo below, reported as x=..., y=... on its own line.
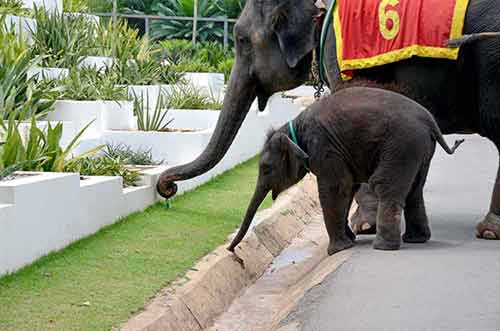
x=170, y=29
x=18, y=94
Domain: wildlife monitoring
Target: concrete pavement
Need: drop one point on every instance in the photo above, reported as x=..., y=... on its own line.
x=450, y=283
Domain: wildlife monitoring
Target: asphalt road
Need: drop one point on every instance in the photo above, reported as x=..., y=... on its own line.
x=450, y=283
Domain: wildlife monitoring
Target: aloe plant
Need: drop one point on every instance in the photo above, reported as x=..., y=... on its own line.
x=147, y=121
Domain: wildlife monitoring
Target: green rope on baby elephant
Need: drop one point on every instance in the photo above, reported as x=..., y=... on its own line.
x=292, y=133
x=168, y=204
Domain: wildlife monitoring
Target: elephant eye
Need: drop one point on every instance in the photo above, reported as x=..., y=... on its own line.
x=267, y=170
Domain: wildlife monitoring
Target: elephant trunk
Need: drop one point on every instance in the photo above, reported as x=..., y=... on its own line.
x=237, y=102
x=258, y=197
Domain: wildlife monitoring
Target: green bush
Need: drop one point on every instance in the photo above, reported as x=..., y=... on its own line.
x=41, y=150
x=225, y=67
x=61, y=39
x=87, y=84
x=14, y=7
x=141, y=156
x=163, y=29
x=18, y=94
x=103, y=165
x=190, y=97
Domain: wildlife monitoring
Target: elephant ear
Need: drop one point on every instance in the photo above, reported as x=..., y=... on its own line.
x=293, y=23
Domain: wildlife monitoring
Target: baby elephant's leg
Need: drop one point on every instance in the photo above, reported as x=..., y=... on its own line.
x=417, y=223
x=335, y=202
x=391, y=182
x=388, y=225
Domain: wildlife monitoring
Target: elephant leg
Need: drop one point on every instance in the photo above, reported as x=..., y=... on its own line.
x=417, y=223
x=489, y=228
x=364, y=219
x=392, y=182
x=335, y=202
x=489, y=105
x=388, y=225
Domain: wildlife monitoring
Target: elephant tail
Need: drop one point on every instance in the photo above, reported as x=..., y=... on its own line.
x=470, y=38
x=438, y=136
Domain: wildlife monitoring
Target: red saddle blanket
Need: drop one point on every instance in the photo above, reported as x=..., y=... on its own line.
x=377, y=32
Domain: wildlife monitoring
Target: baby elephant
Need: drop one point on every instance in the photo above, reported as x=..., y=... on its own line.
x=357, y=135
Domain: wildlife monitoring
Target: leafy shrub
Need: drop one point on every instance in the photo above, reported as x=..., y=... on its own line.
x=225, y=67
x=41, y=150
x=75, y=6
x=202, y=57
x=118, y=40
x=87, y=84
x=61, y=39
x=14, y=7
x=163, y=29
x=18, y=94
x=231, y=8
x=103, y=165
x=190, y=97
x=126, y=153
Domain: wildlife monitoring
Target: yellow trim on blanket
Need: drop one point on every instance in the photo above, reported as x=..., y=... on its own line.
x=457, y=26
x=404, y=53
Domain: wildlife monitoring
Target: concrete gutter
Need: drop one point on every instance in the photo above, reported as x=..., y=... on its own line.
x=218, y=279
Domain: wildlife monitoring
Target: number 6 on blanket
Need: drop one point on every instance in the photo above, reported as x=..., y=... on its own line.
x=385, y=16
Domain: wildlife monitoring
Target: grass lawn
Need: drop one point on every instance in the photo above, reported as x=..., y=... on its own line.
x=96, y=283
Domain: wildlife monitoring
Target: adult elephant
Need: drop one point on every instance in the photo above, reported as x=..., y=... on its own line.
x=275, y=40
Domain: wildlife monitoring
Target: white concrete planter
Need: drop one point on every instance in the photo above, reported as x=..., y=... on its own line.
x=195, y=119
x=46, y=212
x=171, y=147
x=80, y=113
x=212, y=84
x=47, y=73
x=22, y=25
x=118, y=115
x=100, y=63
x=37, y=217
x=49, y=5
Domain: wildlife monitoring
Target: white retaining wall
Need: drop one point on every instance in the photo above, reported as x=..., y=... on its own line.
x=48, y=211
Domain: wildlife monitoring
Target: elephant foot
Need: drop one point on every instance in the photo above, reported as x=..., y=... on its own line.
x=420, y=236
x=386, y=245
x=489, y=228
x=339, y=245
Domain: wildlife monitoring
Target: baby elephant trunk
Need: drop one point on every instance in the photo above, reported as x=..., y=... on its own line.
x=257, y=199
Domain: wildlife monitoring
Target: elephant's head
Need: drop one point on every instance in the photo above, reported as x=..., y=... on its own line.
x=282, y=165
x=274, y=40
